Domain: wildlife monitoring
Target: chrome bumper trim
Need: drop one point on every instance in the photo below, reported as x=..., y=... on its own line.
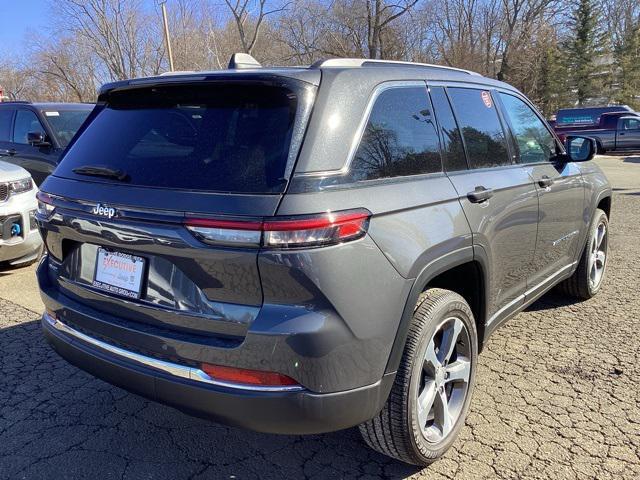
x=189, y=373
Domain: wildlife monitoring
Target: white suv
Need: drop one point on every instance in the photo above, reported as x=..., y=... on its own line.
x=20, y=242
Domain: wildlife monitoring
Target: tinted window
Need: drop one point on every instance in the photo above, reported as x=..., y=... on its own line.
x=452, y=149
x=535, y=143
x=400, y=137
x=26, y=121
x=481, y=129
x=632, y=124
x=5, y=124
x=65, y=123
x=226, y=138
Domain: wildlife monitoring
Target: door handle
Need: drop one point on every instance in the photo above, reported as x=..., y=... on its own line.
x=480, y=194
x=545, y=181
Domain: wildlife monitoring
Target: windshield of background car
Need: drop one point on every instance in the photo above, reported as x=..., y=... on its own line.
x=212, y=137
x=65, y=123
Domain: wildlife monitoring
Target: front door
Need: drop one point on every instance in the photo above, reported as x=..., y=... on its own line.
x=628, y=133
x=560, y=190
x=497, y=196
x=39, y=161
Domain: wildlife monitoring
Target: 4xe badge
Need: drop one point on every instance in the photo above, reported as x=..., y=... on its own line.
x=104, y=211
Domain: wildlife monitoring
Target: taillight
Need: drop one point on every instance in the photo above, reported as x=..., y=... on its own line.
x=247, y=377
x=283, y=232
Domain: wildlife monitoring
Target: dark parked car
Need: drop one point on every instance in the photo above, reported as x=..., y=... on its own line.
x=614, y=132
x=302, y=250
x=585, y=116
x=33, y=135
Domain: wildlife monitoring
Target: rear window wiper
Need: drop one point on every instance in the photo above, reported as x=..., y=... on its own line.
x=97, y=171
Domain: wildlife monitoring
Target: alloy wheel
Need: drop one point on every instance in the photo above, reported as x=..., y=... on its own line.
x=598, y=256
x=446, y=371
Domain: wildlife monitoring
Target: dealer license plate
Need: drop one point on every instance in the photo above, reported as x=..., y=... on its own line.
x=119, y=273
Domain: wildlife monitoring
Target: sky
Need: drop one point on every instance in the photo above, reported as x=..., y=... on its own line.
x=18, y=18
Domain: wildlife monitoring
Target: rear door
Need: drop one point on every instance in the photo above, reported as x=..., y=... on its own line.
x=560, y=190
x=497, y=195
x=39, y=161
x=628, y=133
x=170, y=180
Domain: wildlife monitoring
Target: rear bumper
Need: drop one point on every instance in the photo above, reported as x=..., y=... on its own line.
x=285, y=412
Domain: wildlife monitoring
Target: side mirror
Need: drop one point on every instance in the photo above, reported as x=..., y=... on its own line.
x=580, y=149
x=37, y=139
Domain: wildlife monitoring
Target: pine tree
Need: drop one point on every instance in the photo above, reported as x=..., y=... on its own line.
x=627, y=56
x=555, y=91
x=584, y=48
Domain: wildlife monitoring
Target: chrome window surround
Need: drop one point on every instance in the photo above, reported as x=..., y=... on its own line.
x=182, y=371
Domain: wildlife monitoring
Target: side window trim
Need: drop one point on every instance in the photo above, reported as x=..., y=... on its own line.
x=439, y=127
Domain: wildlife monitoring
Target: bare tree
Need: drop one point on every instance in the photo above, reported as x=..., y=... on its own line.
x=249, y=28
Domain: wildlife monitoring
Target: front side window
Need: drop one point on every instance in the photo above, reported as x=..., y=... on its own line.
x=632, y=124
x=26, y=122
x=481, y=129
x=535, y=142
x=400, y=138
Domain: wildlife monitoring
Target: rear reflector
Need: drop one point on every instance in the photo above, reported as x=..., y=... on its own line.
x=247, y=377
x=283, y=232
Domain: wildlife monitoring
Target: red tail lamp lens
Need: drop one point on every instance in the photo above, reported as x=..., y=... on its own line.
x=284, y=232
x=247, y=377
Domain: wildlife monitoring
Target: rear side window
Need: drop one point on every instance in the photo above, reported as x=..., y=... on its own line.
x=481, y=128
x=26, y=122
x=400, y=137
x=535, y=143
x=452, y=148
x=5, y=124
x=213, y=137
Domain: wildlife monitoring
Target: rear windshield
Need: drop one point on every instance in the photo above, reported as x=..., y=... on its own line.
x=213, y=137
x=65, y=123
x=584, y=116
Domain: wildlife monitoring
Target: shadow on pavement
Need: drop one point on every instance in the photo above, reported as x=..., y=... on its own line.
x=632, y=160
x=59, y=422
x=550, y=301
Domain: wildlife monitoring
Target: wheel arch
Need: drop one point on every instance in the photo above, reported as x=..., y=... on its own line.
x=462, y=271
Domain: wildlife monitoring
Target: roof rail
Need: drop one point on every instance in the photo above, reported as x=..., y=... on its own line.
x=177, y=72
x=362, y=62
x=239, y=61
x=16, y=101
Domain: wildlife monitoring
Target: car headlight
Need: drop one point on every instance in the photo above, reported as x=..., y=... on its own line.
x=19, y=186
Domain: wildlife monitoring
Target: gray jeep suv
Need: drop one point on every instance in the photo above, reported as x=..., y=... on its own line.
x=302, y=250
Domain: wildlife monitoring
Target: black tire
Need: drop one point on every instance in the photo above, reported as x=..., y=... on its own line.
x=578, y=285
x=395, y=431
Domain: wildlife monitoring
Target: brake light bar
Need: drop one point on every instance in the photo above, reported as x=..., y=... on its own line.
x=322, y=229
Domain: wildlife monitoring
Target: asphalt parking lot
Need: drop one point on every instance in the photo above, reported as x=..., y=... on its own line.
x=558, y=396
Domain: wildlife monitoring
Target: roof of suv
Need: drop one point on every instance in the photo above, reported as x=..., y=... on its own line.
x=50, y=105
x=385, y=70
